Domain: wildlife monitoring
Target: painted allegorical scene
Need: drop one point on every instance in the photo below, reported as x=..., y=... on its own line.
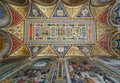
x=59, y=41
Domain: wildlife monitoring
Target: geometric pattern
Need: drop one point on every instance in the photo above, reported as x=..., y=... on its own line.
x=62, y=47
x=74, y=51
x=105, y=43
x=111, y=29
x=35, y=49
x=98, y=10
x=17, y=30
x=21, y=10
x=48, y=51
x=34, y=12
x=98, y=51
x=85, y=49
x=72, y=10
x=103, y=18
x=61, y=50
x=60, y=12
x=60, y=32
x=46, y=10
x=16, y=17
x=85, y=12
x=101, y=30
x=16, y=43
x=22, y=51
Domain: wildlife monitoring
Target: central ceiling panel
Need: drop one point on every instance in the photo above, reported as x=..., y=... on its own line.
x=60, y=32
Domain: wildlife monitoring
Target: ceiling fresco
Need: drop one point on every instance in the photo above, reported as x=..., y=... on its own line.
x=59, y=28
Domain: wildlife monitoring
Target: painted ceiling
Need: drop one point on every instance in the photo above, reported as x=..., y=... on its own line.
x=59, y=28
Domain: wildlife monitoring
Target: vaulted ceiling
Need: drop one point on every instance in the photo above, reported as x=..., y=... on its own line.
x=59, y=28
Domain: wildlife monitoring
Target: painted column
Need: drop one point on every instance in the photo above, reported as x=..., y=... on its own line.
x=30, y=31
